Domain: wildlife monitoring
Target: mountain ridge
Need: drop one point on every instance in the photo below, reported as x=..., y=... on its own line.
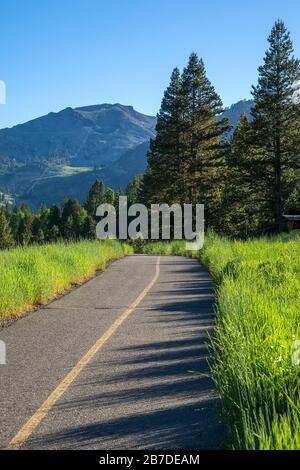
x=61, y=154
x=90, y=134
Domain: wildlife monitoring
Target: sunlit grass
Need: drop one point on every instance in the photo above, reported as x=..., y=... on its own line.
x=159, y=247
x=258, y=318
x=36, y=274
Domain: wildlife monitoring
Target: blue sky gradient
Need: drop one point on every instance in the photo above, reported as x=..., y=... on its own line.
x=63, y=53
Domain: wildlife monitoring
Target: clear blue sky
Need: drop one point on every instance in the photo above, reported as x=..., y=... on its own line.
x=59, y=53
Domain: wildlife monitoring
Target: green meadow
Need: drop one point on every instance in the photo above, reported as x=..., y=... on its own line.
x=258, y=319
x=33, y=275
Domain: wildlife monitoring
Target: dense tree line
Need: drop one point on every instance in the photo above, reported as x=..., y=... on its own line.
x=70, y=221
x=246, y=181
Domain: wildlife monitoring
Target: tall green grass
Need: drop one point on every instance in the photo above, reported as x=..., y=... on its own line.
x=36, y=274
x=176, y=247
x=257, y=301
x=258, y=318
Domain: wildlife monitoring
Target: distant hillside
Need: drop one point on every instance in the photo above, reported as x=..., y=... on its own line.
x=236, y=109
x=91, y=135
x=61, y=154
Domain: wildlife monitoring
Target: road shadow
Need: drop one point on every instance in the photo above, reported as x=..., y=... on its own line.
x=160, y=387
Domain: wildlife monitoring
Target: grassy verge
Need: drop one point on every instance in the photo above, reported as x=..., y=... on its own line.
x=36, y=274
x=258, y=318
x=257, y=303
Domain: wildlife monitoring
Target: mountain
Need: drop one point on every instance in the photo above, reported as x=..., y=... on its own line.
x=236, y=109
x=61, y=154
x=90, y=135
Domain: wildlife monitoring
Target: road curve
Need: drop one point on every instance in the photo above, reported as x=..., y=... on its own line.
x=136, y=337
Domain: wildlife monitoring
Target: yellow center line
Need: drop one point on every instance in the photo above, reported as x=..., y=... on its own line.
x=28, y=428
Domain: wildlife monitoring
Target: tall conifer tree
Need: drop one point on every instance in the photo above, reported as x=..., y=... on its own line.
x=162, y=182
x=242, y=199
x=203, y=147
x=6, y=238
x=276, y=123
x=95, y=197
x=187, y=155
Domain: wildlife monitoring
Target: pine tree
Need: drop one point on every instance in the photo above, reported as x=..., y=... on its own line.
x=118, y=193
x=186, y=159
x=6, y=238
x=89, y=228
x=96, y=196
x=14, y=223
x=40, y=236
x=54, y=216
x=242, y=200
x=37, y=233
x=44, y=217
x=276, y=121
x=164, y=175
x=53, y=234
x=79, y=219
x=68, y=229
x=133, y=190
x=109, y=196
x=203, y=148
x=72, y=219
x=24, y=230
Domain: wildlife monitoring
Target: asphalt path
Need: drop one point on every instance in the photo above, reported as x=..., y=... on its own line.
x=118, y=363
